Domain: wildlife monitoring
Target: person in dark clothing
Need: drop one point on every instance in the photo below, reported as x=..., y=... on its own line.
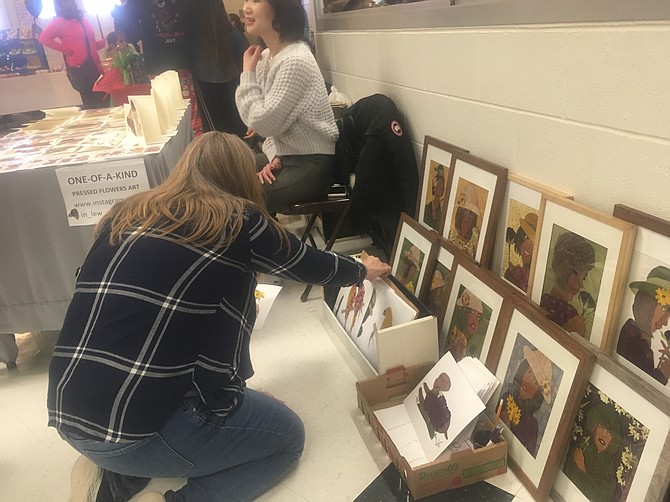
x=149, y=374
x=215, y=50
x=127, y=20
x=373, y=146
x=162, y=30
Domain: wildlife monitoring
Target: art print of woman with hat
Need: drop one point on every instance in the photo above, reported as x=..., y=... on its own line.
x=435, y=209
x=465, y=227
x=410, y=265
x=651, y=312
x=572, y=259
x=530, y=388
x=523, y=239
x=592, y=465
x=468, y=326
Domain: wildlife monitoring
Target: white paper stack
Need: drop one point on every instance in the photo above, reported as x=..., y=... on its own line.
x=481, y=379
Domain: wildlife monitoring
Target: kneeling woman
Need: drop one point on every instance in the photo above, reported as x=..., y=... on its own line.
x=148, y=375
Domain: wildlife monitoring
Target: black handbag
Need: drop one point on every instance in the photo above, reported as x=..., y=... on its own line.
x=83, y=77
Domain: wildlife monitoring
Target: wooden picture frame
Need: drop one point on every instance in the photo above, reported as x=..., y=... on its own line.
x=636, y=441
x=413, y=250
x=477, y=301
x=435, y=291
x=517, y=230
x=435, y=163
x=543, y=372
x=643, y=326
x=582, y=259
x=476, y=188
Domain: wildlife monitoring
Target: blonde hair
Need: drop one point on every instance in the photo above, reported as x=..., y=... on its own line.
x=207, y=192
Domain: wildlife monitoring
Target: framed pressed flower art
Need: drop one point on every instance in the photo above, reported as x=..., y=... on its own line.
x=641, y=335
x=414, y=249
x=517, y=230
x=619, y=448
x=476, y=189
x=543, y=372
x=582, y=258
x=432, y=200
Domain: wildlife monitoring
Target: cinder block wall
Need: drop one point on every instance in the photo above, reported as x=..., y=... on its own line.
x=584, y=108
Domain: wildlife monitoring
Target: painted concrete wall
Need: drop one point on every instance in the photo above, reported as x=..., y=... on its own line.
x=584, y=108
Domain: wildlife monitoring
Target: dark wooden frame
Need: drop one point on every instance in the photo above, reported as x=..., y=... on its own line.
x=585, y=360
x=426, y=233
x=496, y=194
x=421, y=199
x=490, y=281
x=661, y=477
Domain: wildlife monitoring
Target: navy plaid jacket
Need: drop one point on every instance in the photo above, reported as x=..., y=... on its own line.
x=151, y=319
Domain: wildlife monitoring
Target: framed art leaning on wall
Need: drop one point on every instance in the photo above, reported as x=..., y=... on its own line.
x=414, y=249
x=619, y=448
x=476, y=189
x=642, y=333
x=582, y=259
x=517, y=230
x=543, y=372
x=431, y=203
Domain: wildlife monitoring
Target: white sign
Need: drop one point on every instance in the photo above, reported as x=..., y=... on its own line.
x=91, y=189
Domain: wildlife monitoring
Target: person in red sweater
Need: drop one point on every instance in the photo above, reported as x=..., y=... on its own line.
x=72, y=35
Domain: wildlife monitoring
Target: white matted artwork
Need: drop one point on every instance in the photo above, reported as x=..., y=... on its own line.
x=435, y=290
x=476, y=189
x=350, y=304
x=543, y=371
x=384, y=309
x=517, y=230
x=442, y=406
x=642, y=332
x=412, y=252
x=620, y=444
x=476, y=298
x=432, y=200
x=582, y=259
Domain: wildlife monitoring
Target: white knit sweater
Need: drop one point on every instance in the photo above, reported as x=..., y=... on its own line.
x=285, y=101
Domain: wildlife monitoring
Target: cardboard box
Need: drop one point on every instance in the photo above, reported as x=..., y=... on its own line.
x=407, y=344
x=461, y=468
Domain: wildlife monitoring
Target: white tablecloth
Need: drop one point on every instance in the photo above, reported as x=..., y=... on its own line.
x=40, y=252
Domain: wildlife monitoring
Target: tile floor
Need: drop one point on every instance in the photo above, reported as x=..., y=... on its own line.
x=297, y=358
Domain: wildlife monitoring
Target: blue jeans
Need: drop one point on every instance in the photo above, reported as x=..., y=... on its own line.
x=233, y=458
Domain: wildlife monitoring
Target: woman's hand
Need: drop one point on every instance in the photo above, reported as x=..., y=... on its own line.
x=266, y=174
x=249, y=134
x=376, y=268
x=251, y=58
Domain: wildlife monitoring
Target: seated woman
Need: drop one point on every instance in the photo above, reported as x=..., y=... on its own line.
x=282, y=97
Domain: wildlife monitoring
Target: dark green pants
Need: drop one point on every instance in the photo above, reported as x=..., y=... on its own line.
x=302, y=178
